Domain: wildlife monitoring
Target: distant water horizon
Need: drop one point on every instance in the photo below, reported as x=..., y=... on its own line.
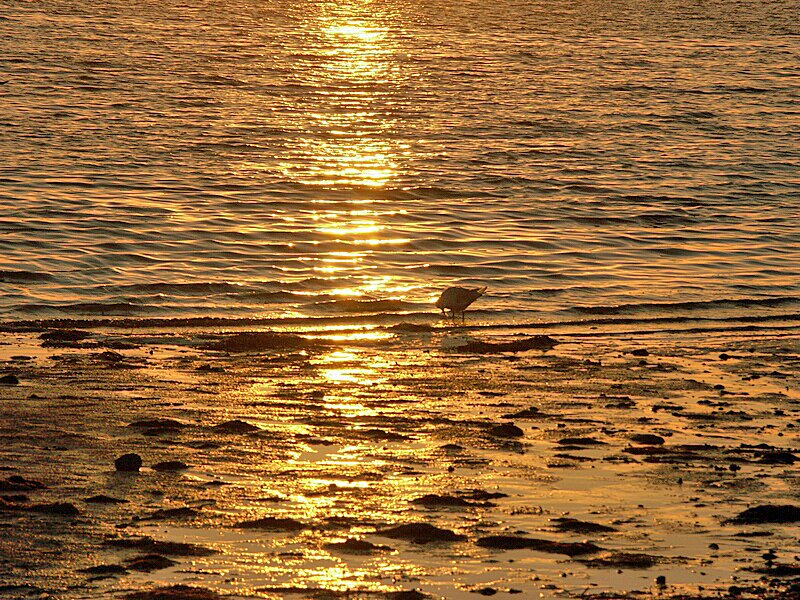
x=346, y=161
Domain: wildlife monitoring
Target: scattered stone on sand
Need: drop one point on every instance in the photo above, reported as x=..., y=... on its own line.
x=486, y=591
x=9, y=379
x=183, y=512
x=128, y=463
x=437, y=500
x=512, y=542
x=647, y=439
x=17, y=483
x=623, y=560
x=576, y=526
x=149, y=562
x=103, y=499
x=150, y=546
x=273, y=524
x=170, y=466
x=786, y=513
x=263, y=340
x=175, y=592
x=236, y=426
x=506, y=430
x=356, y=546
x=420, y=533
x=640, y=352
x=537, y=342
x=105, y=570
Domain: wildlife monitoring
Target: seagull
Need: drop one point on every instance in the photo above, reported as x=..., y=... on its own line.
x=456, y=299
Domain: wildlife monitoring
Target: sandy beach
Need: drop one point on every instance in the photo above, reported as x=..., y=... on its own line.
x=399, y=462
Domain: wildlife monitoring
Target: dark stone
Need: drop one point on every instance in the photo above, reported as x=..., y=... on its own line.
x=175, y=592
x=150, y=546
x=356, y=546
x=61, y=509
x=149, y=562
x=623, y=560
x=9, y=379
x=778, y=458
x=236, y=426
x=421, y=533
x=512, y=542
x=640, y=352
x=647, y=438
x=435, y=500
x=506, y=430
x=537, y=342
x=767, y=513
x=580, y=441
x=128, y=463
x=103, y=499
x=65, y=335
x=487, y=591
x=272, y=524
x=105, y=570
x=16, y=483
x=526, y=413
x=170, y=465
x=407, y=595
x=184, y=512
x=158, y=423
x=576, y=526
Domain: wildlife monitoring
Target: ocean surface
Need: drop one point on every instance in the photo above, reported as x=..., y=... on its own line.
x=348, y=159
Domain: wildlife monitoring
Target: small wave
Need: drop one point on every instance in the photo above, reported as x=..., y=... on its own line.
x=688, y=306
x=364, y=306
x=86, y=308
x=24, y=277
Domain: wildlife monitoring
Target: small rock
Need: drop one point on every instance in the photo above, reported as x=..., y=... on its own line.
x=646, y=438
x=273, y=524
x=184, y=512
x=236, y=426
x=105, y=570
x=506, y=430
x=103, y=499
x=640, y=352
x=487, y=591
x=421, y=533
x=149, y=562
x=16, y=483
x=170, y=465
x=356, y=546
x=512, y=542
x=128, y=463
x=787, y=513
x=661, y=581
x=9, y=379
x=175, y=592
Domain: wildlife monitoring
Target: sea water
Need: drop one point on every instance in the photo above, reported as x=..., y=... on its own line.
x=327, y=159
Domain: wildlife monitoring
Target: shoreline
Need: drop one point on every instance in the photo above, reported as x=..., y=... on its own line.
x=624, y=440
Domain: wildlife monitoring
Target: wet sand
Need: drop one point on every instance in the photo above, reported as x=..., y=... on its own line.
x=396, y=463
